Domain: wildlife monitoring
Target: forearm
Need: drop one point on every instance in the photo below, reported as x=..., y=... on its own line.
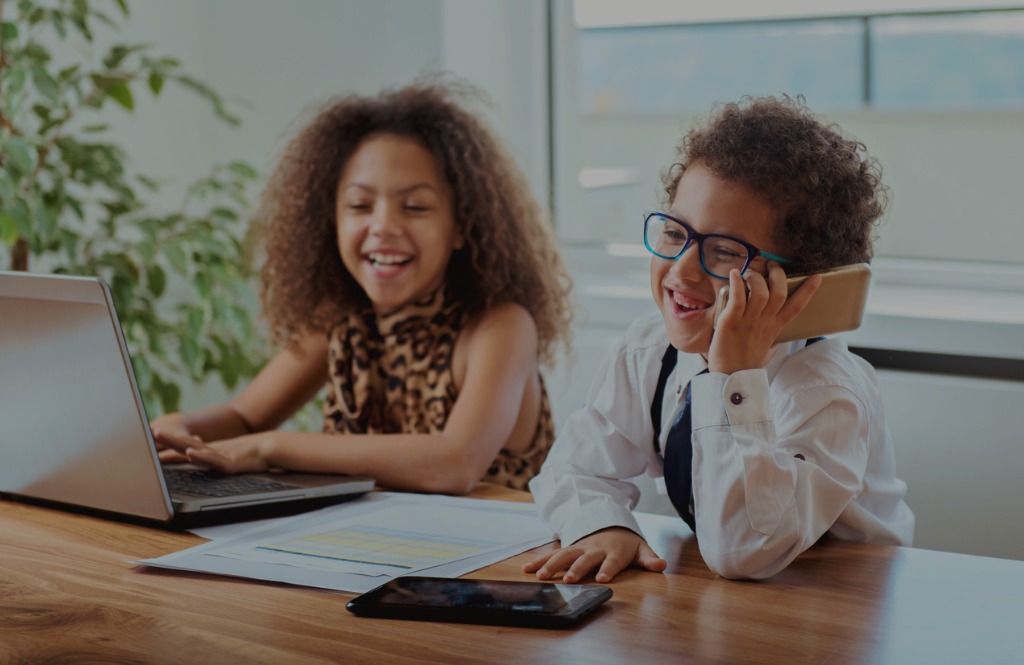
x=581, y=488
x=216, y=422
x=432, y=463
x=575, y=504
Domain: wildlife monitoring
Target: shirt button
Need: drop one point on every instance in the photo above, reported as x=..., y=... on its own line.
x=679, y=389
x=736, y=398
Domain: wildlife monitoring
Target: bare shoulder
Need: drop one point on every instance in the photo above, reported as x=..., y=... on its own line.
x=504, y=322
x=505, y=333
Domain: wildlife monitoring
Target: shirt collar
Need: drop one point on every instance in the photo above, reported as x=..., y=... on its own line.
x=690, y=365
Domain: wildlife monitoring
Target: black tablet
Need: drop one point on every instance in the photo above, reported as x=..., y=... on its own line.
x=540, y=604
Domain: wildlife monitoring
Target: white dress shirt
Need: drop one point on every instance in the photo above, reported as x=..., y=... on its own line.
x=781, y=455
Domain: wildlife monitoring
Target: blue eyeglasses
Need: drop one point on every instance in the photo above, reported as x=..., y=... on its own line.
x=667, y=237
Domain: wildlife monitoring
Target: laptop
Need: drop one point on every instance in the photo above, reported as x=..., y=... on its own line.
x=74, y=430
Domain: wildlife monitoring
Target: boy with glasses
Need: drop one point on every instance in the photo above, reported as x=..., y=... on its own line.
x=765, y=448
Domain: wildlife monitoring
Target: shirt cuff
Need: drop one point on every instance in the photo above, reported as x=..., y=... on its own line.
x=721, y=400
x=598, y=516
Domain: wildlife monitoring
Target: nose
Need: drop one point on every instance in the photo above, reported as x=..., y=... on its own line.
x=687, y=266
x=385, y=220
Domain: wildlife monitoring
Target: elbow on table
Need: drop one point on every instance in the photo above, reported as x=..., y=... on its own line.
x=452, y=481
x=461, y=484
x=454, y=473
x=731, y=570
x=746, y=563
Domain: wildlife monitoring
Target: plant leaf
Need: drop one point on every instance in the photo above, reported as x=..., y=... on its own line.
x=123, y=292
x=68, y=72
x=142, y=372
x=224, y=213
x=170, y=396
x=8, y=31
x=156, y=82
x=23, y=155
x=191, y=354
x=46, y=214
x=122, y=94
x=176, y=255
x=57, y=21
x=195, y=320
x=156, y=279
x=244, y=170
x=8, y=228
x=15, y=82
x=22, y=218
x=69, y=240
x=201, y=281
x=204, y=90
x=7, y=186
x=44, y=83
x=37, y=52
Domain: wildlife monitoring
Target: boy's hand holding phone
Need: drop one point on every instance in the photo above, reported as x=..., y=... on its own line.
x=826, y=303
x=756, y=312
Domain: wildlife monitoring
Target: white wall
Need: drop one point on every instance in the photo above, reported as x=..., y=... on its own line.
x=270, y=61
x=273, y=61
x=501, y=46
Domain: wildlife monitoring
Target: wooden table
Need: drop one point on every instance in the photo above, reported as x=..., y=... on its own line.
x=69, y=595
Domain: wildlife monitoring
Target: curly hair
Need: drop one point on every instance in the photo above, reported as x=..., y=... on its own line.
x=511, y=254
x=828, y=192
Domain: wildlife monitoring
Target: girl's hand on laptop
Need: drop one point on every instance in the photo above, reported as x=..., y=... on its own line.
x=244, y=454
x=167, y=429
x=609, y=550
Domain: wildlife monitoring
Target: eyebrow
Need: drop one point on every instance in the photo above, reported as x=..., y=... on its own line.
x=679, y=218
x=404, y=190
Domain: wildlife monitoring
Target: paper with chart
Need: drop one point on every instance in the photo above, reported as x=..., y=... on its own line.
x=359, y=545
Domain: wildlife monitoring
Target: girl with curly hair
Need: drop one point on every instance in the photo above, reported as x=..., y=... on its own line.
x=767, y=447
x=410, y=270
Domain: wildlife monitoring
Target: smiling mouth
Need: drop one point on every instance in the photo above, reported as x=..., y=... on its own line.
x=686, y=303
x=386, y=261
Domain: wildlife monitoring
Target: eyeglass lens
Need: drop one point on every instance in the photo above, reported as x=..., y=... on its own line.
x=719, y=254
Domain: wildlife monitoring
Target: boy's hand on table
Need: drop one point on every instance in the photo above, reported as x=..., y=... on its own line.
x=610, y=551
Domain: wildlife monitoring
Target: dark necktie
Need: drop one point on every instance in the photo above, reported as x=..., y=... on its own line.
x=679, y=462
x=678, y=467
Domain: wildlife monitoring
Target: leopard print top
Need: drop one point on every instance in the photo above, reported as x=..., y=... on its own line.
x=392, y=374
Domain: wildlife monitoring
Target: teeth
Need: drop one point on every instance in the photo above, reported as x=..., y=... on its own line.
x=688, y=308
x=388, y=259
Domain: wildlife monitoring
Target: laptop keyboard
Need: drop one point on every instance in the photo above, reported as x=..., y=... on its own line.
x=211, y=483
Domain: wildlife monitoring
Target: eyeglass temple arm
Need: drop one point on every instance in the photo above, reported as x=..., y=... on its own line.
x=773, y=257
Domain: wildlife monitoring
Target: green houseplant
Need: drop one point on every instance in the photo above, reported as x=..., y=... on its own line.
x=70, y=203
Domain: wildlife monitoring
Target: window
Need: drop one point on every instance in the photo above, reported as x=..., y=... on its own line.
x=673, y=69
x=948, y=61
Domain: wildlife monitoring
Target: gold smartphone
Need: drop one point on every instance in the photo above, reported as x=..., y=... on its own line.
x=837, y=306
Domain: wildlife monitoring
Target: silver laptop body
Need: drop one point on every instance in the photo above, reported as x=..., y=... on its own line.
x=73, y=428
